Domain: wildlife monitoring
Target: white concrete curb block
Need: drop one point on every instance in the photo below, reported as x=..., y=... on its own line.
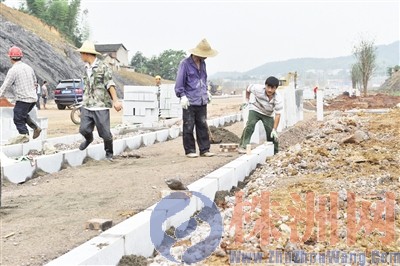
x=13, y=150
x=96, y=152
x=50, y=163
x=174, y=132
x=162, y=135
x=149, y=138
x=100, y=250
x=32, y=145
x=225, y=177
x=18, y=172
x=134, y=143
x=74, y=157
x=119, y=146
x=132, y=236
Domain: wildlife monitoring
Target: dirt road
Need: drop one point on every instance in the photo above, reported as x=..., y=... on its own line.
x=44, y=217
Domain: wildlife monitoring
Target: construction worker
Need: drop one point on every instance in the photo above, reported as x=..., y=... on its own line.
x=158, y=80
x=158, y=84
x=99, y=96
x=21, y=79
x=191, y=88
x=267, y=103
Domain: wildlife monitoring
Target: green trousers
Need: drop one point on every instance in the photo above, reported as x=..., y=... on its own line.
x=268, y=123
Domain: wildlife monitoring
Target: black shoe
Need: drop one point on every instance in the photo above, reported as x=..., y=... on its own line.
x=85, y=144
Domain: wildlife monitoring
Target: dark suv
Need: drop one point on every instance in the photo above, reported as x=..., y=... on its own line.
x=68, y=92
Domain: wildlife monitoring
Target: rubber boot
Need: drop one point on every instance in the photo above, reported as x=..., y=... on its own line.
x=88, y=140
x=32, y=124
x=108, y=147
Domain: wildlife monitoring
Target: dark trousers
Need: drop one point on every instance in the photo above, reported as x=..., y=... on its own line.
x=21, y=110
x=100, y=119
x=38, y=101
x=195, y=116
x=268, y=123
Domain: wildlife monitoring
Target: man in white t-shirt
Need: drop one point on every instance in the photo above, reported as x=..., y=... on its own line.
x=268, y=103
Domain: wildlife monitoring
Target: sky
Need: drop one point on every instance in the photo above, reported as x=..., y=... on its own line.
x=246, y=34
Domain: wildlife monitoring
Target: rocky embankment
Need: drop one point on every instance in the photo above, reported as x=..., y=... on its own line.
x=336, y=189
x=49, y=62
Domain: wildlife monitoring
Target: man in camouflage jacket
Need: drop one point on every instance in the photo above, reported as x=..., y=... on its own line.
x=99, y=96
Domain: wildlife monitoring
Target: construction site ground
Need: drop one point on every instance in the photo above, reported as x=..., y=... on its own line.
x=45, y=217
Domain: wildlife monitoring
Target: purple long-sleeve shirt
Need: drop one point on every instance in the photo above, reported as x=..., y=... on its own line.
x=192, y=82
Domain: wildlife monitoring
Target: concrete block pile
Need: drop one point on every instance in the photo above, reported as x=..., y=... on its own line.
x=141, y=104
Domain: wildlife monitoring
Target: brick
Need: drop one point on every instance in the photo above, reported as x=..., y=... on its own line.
x=228, y=147
x=98, y=224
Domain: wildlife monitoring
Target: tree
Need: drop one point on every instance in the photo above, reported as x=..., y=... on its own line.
x=165, y=65
x=355, y=76
x=139, y=62
x=168, y=63
x=365, y=54
x=61, y=14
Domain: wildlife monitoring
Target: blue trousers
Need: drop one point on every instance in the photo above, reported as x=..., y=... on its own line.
x=21, y=110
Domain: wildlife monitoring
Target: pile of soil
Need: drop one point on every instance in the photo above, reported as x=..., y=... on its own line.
x=132, y=260
x=222, y=135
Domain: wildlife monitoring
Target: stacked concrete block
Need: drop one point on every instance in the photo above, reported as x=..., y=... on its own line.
x=140, y=104
x=8, y=129
x=169, y=104
x=299, y=104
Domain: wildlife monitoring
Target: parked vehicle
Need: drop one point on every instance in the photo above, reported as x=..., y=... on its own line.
x=68, y=92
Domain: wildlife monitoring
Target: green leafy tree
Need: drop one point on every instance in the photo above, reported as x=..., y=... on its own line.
x=168, y=63
x=365, y=54
x=61, y=14
x=139, y=62
x=355, y=76
x=165, y=65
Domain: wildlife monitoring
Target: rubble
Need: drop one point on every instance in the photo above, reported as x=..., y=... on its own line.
x=348, y=155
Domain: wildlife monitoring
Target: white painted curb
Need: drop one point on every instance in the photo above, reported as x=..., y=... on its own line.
x=132, y=236
x=51, y=164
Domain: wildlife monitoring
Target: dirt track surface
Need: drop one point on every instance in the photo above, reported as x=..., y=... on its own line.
x=376, y=101
x=45, y=217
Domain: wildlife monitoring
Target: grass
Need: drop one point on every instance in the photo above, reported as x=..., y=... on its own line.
x=139, y=78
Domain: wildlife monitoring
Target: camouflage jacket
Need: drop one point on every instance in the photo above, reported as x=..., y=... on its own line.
x=96, y=93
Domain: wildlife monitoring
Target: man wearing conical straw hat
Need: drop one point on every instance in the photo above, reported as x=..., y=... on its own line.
x=191, y=88
x=99, y=96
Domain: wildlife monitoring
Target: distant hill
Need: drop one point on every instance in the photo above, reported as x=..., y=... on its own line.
x=387, y=55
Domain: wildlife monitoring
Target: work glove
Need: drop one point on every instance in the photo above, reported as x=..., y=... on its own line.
x=244, y=105
x=209, y=97
x=274, y=134
x=184, y=102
